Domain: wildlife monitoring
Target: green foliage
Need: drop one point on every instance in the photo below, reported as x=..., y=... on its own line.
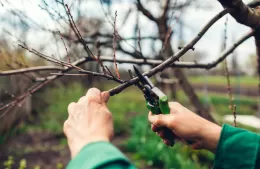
x=124, y=106
x=37, y=167
x=59, y=165
x=58, y=100
x=9, y=162
x=130, y=116
x=22, y=164
x=147, y=145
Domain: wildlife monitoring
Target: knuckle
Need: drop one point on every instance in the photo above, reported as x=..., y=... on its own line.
x=159, y=118
x=175, y=104
x=108, y=114
x=66, y=125
x=93, y=89
x=172, y=121
x=93, y=99
x=71, y=107
x=82, y=99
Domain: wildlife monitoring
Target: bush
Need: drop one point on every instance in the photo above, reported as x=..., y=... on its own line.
x=149, y=146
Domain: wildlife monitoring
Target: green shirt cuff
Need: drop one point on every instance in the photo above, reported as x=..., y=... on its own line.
x=95, y=155
x=237, y=148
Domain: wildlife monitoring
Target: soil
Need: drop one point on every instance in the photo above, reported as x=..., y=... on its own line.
x=42, y=148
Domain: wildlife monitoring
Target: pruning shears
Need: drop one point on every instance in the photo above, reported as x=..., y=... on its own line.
x=156, y=100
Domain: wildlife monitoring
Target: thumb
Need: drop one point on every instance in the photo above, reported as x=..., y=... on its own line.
x=160, y=120
x=105, y=96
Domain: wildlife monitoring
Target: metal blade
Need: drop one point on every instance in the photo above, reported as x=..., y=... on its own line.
x=141, y=77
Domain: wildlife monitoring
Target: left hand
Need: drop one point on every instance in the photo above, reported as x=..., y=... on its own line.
x=89, y=121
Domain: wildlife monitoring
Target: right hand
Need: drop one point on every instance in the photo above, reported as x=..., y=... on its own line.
x=187, y=126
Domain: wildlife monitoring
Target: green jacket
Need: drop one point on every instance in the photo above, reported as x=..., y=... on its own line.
x=237, y=149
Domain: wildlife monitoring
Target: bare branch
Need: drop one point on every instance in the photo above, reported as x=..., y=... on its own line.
x=151, y=62
x=147, y=13
x=114, y=46
x=65, y=47
x=222, y=56
x=173, y=58
x=31, y=69
x=165, y=10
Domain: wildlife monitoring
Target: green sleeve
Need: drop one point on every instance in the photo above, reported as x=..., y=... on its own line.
x=237, y=149
x=100, y=155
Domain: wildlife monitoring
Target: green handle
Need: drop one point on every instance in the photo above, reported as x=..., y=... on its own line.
x=162, y=109
x=163, y=106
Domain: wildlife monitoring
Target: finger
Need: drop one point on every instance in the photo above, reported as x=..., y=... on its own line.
x=165, y=133
x=71, y=107
x=196, y=146
x=82, y=100
x=167, y=142
x=67, y=128
x=161, y=120
x=94, y=95
x=155, y=128
x=105, y=96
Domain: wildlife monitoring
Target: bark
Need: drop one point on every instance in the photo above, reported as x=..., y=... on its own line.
x=242, y=13
x=257, y=43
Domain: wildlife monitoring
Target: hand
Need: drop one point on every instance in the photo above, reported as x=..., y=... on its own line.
x=186, y=126
x=89, y=121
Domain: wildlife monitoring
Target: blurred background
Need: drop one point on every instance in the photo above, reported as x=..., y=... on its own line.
x=32, y=129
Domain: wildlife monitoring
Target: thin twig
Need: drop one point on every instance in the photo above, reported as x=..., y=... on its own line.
x=65, y=47
x=232, y=107
x=173, y=58
x=114, y=46
x=69, y=74
x=151, y=62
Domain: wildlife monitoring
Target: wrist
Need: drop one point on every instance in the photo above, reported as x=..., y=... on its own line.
x=211, y=136
x=79, y=144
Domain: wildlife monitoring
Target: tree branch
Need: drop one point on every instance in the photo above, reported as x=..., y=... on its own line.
x=165, y=9
x=145, y=12
x=243, y=13
x=151, y=62
x=30, y=69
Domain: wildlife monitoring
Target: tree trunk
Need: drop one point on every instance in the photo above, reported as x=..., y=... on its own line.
x=188, y=90
x=257, y=43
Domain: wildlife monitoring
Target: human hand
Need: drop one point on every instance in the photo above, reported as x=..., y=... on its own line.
x=187, y=126
x=89, y=121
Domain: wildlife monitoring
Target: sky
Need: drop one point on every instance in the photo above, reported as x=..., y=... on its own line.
x=194, y=19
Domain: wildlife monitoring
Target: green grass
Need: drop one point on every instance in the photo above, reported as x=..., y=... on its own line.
x=52, y=117
x=221, y=80
x=220, y=102
x=124, y=106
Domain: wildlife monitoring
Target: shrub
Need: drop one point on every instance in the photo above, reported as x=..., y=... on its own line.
x=149, y=146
